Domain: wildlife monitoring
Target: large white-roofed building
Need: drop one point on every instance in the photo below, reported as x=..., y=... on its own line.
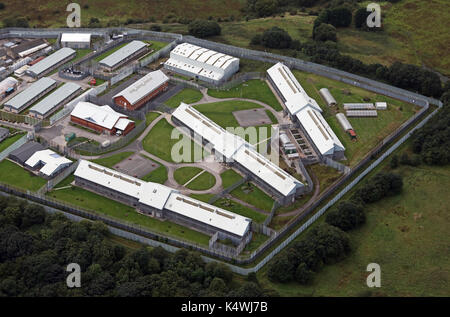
x=141, y=91
x=101, y=118
x=162, y=202
x=48, y=162
x=55, y=100
x=232, y=149
x=202, y=63
x=76, y=40
x=305, y=110
x=124, y=55
x=49, y=63
x=25, y=98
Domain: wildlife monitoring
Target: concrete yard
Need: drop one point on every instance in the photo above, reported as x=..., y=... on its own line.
x=136, y=166
x=252, y=117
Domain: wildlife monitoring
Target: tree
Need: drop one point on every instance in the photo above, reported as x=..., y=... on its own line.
x=276, y=38
x=264, y=8
x=303, y=275
x=361, y=18
x=346, y=216
x=204, y=28
x=281, y=270
x=331, y=243
x=325, y=32
x=217, y=287
x=2, y=6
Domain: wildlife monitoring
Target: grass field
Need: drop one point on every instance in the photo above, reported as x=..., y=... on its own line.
x=239, y=209
x=103, y=205
x=9, y=141
x=112, y=160
x=253, y=89
x=183, y=174
x=150, y=116
x=325, y=174
x=160, y=143
x=370, y=131
x=202, y=182
x=255, y=197
x=187, y=95
x=403, y=234
x=15, y=175
x=229, y=177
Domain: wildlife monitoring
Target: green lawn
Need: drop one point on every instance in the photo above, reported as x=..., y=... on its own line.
x=229, y=177
x=183, y=174
x=255, y=197
x=150, y=116
x=80, y=54
x=257, y=240
x=156, y=45
x=103, y=205
x=158, y=175
x=15, y=175
x=112, y=160
x=370, y=131
x=107, y=53
x=239, y=209
x=325, y=174
x=253, y=89
x=187, y=95
x=204, y=181
x=159, y=142
x=404, y=234
x=9, y=141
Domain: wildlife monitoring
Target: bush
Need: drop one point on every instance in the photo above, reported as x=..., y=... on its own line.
x=381, y=185
x=276, y=38
x=325, y=32
x=156, y=28
x=2, y=6
x=346, y=216
x=203, y=28
x=303, y=275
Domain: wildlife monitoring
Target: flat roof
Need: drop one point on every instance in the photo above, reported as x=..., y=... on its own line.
x=52, y=60
x=122, y=53
x=55, y=98
x=35, y=89
x=52, y=161
x=306, y=109
x=162, y=197
x=143, y=86
x=235, y=148
x=103, y=116
x=76, y=37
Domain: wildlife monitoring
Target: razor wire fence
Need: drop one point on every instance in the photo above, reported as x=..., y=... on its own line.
x=4, y=154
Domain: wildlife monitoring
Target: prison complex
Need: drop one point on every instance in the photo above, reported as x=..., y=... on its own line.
x=202, y=63
x=101, y=118
x=162, y=202
x=235, y=151
x=54, y=101
x=305, y=110
x=141, y=91
x=123, y=55
x=51, y=62
x=25, y=98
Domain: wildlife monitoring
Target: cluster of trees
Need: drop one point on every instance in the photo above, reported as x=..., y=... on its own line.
x=382, y=185
x=273, y=38
x=36, y=247
x=324, y=244
x=346, y=216
x=432, y=141
x=20, y=22
x=204, y=28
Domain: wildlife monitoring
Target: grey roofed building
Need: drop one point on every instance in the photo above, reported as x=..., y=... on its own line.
x=24, y=152
x=4, y=133
x=52, y=61
x=54, y=100
x=24, y=46
x=29, y=95
x=122, y=54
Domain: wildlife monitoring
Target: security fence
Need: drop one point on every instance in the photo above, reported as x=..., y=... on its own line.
x=158, y=54
x=18, y=118
x=4, y=154
x=61, y=176
x=336, y=165
x=228, y=190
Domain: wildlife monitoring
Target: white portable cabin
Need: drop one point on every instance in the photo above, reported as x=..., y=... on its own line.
x=381, y=105
x=326, y=95
x=343, y=121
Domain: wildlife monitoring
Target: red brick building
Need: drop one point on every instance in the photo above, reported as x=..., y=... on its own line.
x=143, y=90
x=102, y=119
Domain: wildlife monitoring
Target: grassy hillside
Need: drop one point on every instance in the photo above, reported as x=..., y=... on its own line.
x=404, y=234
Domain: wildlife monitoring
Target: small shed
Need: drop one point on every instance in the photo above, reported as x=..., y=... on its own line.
x=381, y=105
x=326, y=95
